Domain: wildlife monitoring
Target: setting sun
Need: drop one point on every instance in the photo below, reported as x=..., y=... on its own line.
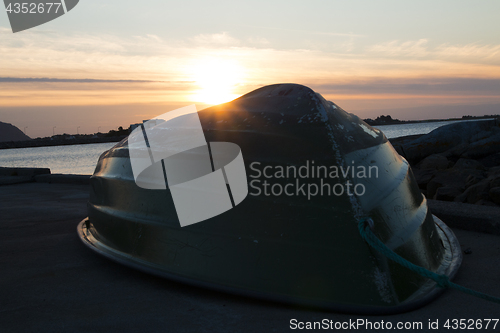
x=216, y=79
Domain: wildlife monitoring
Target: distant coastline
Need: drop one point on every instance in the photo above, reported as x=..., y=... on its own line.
x=121, y=133
x=388, y=120
x=68, y=139
x=16, y=138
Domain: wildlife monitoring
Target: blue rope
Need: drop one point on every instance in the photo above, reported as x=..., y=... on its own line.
x=442, y=280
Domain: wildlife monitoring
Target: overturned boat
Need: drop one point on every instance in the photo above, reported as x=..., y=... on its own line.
x=297, y=174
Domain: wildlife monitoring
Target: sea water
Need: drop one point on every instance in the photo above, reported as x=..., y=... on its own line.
x=82, y=159
x=74, y=159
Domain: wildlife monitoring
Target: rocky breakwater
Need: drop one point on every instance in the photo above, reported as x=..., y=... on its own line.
x=458, y=162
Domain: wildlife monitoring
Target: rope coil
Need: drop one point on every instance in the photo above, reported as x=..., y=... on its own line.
x=442, y=280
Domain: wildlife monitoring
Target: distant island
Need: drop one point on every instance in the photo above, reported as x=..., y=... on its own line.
x=11, y=141
x=9, y=132
x=388, y=120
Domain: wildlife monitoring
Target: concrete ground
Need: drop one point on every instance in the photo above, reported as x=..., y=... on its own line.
x=50, y=282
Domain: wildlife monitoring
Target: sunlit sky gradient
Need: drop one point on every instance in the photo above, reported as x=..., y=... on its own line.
x=112, y=63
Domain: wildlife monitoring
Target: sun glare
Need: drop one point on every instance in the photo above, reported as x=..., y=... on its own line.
x=216, y=80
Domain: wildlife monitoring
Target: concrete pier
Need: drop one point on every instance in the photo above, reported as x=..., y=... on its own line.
x=50, y=282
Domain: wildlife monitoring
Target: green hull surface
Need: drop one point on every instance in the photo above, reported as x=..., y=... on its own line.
x=298, y=249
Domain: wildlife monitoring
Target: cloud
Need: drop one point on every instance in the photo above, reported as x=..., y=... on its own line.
x=338, y=34
x=258, y=41
x=88, y=56
x=397, y=49
x=106, y=69
x=220, y=39
x=470, y=51
x=149, y=57
x=415, y=86
x=46, y=79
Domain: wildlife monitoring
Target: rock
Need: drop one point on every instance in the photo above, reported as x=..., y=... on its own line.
x=396, y=142
x=495, y=195
x=494, y=171
x=475, y=193
x=434, y=161
x=490, y=161
x=461, y=136
x=484, y=202
x=447, y=193
x=466, y=163
x=494, y=181
x=456, y=151
x=472, y=180
x=484, y=147
x=445, y=179
x=466, y=216
x=423, y=176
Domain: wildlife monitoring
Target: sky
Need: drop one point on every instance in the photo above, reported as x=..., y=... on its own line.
x=112, y=63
